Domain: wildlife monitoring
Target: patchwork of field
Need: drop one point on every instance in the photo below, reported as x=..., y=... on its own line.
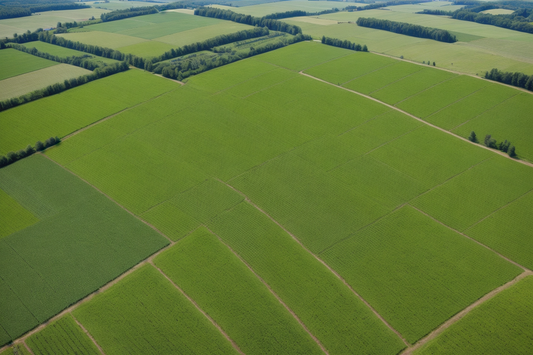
x=501, y=325
x=49, y=264
x=38, y=79
x=261, y=10
x=152, y=35
x=64, y=113
x=16, y=63
x=458, y=103
x=45, y=20
x=324, y=174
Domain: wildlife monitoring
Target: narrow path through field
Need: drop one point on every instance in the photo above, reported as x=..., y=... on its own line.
x=463, y=313
x=28, y=348
x=174, y=80
x=272, y=292
x=88, y=334
x=421, y=120
x=199, y=309
x=321, y=261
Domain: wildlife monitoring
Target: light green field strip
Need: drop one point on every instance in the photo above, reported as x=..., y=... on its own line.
x=62, y=114
x=283, y=6
x=20, y=350
x=434, y=5
x=50, y=265
x=508, y=230
x=502, y=325
x=408, y=251
x=479, y=191
x=145, y=314
x=233, y=296
x=38, y=79
x=102, y=39
x=146, y=49
x=62, y=336
x=45, y=20
x=115, y=4
x=14, y=216
x=170, y=220
x=65, y=52
x=332, y=313
x=16, y=62
x=200, y=34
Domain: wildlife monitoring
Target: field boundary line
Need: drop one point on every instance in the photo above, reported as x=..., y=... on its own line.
x=472, y=239
x=198, y=308
x=28, y=348
x=268, y=87
x=368, y=73
x=323, y=263
x=426, y=89
x=457, y=101
x=421, y=120
x=88, y=334
x=112, y=200
x=395, y=81
x=174, y=80
x=271, y=291
x=465, y=312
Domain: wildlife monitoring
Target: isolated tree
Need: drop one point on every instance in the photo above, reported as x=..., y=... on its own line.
x=365, y=48
x=512, y=151
x=39, y=146
x=472, y=137
x=433, y=63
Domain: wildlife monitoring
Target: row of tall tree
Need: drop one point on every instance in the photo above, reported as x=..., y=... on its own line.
x=271, y=24
x=517, y=79
x=126, y=13
x=344, y=44
x=67, y=84
x=12, y=157
x=407, y=29
x=512, y=22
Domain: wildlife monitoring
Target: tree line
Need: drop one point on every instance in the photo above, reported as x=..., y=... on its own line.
x=517, y=79
x=271, y=24
x=12, y=157
x=27, y=10
x=67, y=84
x=512, y=22
x=208, y=44
x=407, y=29
x=344, y=44
x=181, y=69
x=490, y=142
x=436, y=12
x=126, y=13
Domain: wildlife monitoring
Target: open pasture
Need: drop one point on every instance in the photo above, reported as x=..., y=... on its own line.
x=51, y=264
x=261, y=10
x=233, y=296
x=332, y=313
x=501, y=325
x=39, y=79
x=16, y=63
x=62, y=336
x=145, y=314
x=64, y=113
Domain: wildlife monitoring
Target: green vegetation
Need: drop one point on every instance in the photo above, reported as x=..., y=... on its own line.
x=340, y=321
x=261, y=10
x=18, y=349
x=408, y=251
x=63, y=52
x=14, y=216
x=154, y=318
x=231, y=294
x=62, y=336
x=503, y=324
x=15, y=63
x=51, y=264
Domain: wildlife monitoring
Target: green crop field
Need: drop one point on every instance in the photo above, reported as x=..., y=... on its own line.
x=14, y=216
x=282, y=6
x=62, y=336
x=145, y=314
x=200, y=34
x=17, y=349
x=103, y=39
x=502, y=325
x=73, y=109
x=25, y=83
x=432, y=5
x=332, y=313
x=65, y=52
x=15, y=63
x=444, y=267
x=147, y=49
x=231, y=294
x=51, y=264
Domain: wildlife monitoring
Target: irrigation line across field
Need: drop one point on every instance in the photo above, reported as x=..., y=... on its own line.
x=419, y=119
x=464, y=312
x=321, y=261
x=271, y=291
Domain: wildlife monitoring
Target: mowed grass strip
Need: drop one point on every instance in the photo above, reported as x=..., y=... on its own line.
x=406, y=263
x=224, y=287
x=51, y=264
x=477, y=192
x=508, y=230
x=62, y=336
x=14, y=216
x=145, y=314
x=64, y=113
x=501, y=325
x=39, y=79
x=340, y=320
x=15, y=63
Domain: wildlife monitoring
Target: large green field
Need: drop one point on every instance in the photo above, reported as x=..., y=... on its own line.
x=16, y=63
x=66, y=52
x=52, y=263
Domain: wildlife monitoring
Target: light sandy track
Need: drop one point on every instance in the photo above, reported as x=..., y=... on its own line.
x=28, y=348
x=322, y=262
x=199, y=309
x=464, y=312
x=88, y=334
x=421, y=120
x=174, y=80
x=272, y=292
